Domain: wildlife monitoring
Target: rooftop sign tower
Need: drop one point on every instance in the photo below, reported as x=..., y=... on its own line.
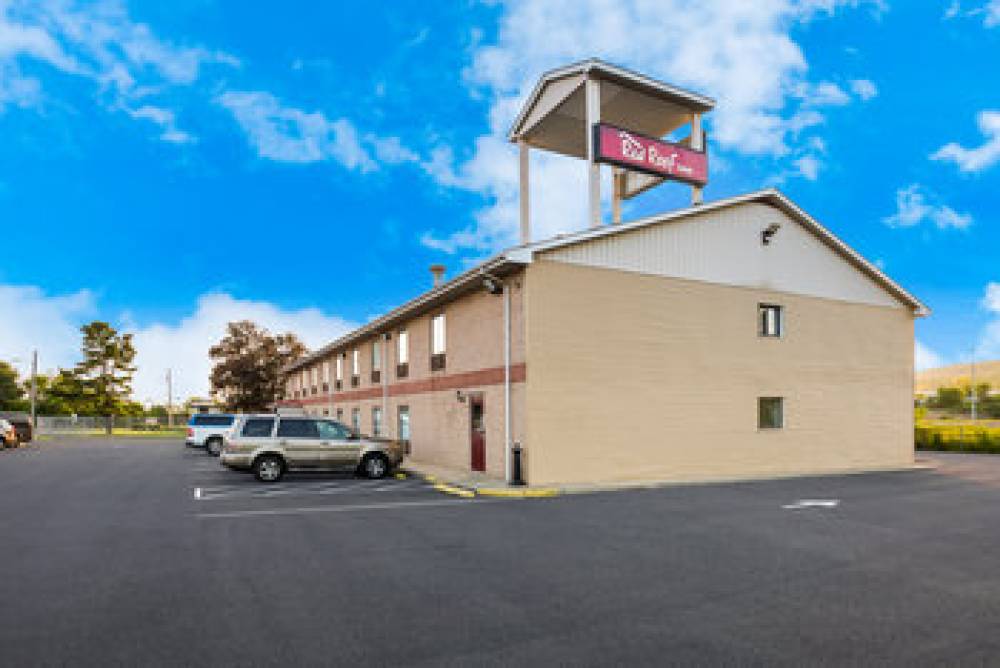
x=609, y=115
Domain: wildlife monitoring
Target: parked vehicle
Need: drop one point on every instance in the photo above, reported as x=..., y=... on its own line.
x=22, y=423
x=207, y=430
x=270, y=445
x=8, y=435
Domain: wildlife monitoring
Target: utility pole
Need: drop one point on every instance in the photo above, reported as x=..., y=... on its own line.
x=170, y=399
x=973, y=394
x=34, y=388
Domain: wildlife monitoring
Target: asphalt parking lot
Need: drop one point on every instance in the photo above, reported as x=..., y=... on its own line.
x=141, y=552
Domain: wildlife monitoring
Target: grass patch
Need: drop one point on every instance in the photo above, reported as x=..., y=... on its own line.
x=950, y=436
x=131, y=433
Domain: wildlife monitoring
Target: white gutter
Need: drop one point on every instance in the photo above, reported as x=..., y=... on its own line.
x=506, y=380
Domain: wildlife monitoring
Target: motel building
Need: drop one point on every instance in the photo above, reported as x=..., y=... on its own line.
x=732, y=339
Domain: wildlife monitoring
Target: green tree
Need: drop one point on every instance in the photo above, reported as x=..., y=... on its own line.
x=248, y=362
x=64, y=395
x=948, y=398
x=11, y=393
x=107, y=369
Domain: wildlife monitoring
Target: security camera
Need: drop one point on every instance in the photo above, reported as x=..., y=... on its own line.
x=492, y=285
x=770, y=231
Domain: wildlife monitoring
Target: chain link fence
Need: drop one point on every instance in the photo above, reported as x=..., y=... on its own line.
x=81, y=424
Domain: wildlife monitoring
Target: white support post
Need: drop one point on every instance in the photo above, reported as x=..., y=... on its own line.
x=524, y=157
x=697, y=144
x=593, y=116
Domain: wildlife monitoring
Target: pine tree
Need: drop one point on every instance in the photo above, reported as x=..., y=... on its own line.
x=107, y=369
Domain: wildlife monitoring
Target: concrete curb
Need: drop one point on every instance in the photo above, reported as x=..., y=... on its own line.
x=454, y=491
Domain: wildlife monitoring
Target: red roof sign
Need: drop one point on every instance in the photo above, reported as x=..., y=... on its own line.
x=630, y=150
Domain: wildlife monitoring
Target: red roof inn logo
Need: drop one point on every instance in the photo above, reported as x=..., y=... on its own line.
x=645, y=154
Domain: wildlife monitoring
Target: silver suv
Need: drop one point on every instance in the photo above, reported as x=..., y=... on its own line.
x=206, y=430
x=270, y=445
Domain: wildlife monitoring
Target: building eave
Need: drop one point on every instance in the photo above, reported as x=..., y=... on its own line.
x=497, y=266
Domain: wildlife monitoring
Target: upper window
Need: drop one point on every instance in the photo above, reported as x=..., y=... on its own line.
x=297, y=428
x=355, y=362
x=326, y=372
x=258, y=427
x=333, y=430
x=376, y=355
x=402, y=347
x=770, y=320
x=340, y=368
x=770, y=413
x=438, y=334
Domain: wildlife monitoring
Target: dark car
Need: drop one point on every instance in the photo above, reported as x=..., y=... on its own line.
x=22, y=425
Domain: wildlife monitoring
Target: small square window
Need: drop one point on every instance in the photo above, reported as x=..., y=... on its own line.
x=770, y=413
x=770, y=320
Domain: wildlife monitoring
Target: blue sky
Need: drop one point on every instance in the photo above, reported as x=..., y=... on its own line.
x=171, y=166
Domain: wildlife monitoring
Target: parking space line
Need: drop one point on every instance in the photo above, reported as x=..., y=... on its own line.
x=349, y=509
x=209, y=494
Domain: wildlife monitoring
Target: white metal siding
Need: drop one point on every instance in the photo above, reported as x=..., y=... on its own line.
x=725, y=247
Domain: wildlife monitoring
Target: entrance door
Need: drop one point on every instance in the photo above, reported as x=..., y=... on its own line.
x=477, y=436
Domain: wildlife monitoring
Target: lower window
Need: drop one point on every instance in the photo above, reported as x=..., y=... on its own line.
x=403, y=432
x=770, y=412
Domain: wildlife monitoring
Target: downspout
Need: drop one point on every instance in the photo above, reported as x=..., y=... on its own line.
x=385, y=383
x=506, y=380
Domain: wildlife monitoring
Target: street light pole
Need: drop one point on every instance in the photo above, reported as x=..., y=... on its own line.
x=34, y=388
x=974, y=396
x=170, y=396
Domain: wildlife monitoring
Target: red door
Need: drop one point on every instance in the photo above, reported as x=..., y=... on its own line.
x=477, y=436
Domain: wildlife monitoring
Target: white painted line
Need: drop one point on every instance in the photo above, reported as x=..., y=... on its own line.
x=812, y=503
x=349, y=509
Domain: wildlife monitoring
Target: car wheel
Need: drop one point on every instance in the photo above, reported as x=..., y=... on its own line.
x=213, y=446
x=269, y=468
x=375, y=466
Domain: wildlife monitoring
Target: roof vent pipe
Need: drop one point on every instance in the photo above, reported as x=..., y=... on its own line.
x=437, y=270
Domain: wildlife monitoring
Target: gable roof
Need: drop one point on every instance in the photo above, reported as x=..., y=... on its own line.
x=598, y=69
x=769, y=196
x=513, y=258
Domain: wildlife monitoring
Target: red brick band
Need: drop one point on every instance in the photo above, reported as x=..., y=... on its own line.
x=437, y=382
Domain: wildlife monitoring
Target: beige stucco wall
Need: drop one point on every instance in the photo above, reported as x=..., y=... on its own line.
x=635, y=376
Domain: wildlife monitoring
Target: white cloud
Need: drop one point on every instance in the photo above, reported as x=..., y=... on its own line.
x=808, y=166
x=989, y=11
x=925, y=358
x=43, y=322
x=914, y=205
x=989, y=340
x=979, y=158
x=51, y=325
x=288, y=134
x=167, y=122
x=99, y=42
x=183, y=346
x=864, y=89
x=741, y=53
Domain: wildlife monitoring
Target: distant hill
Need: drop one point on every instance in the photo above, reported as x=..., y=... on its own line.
x=955, y=375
